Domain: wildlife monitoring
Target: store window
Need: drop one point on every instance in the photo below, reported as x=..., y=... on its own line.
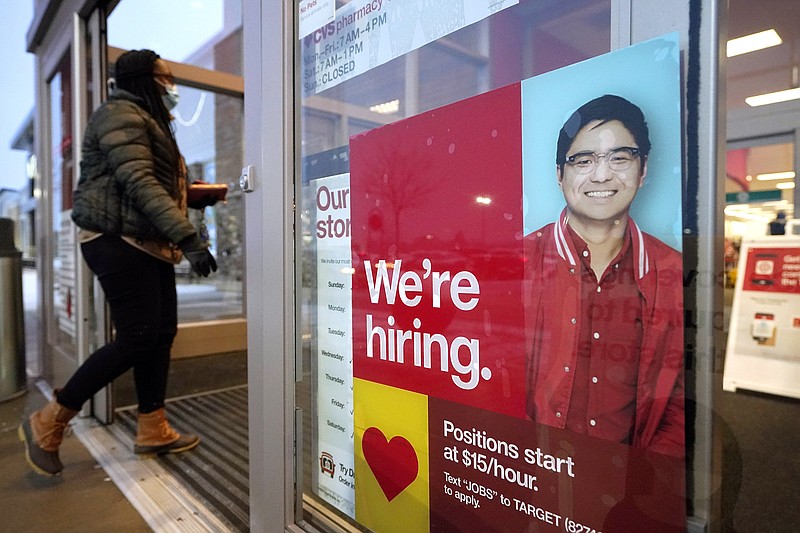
x=386, y=289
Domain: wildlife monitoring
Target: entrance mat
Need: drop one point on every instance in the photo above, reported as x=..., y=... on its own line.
x=216, y=472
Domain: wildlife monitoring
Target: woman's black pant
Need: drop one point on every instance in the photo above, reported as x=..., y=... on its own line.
x=140, y=290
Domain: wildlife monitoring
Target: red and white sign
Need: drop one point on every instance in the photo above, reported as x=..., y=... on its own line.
x=762, y=352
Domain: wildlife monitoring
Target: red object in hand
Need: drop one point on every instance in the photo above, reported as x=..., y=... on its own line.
x=201, y=194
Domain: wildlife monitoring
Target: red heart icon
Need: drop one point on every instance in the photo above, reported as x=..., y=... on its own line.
x=394, y=463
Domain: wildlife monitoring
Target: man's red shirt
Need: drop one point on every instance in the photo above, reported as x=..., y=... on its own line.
x=555, y=317
x=606, y=362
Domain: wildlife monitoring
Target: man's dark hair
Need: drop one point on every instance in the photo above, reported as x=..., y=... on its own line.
x=605, y=109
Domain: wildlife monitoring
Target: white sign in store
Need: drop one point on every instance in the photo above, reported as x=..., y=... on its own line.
x=334, y=474
x=762, y=352
x=314, y=14
x=369, y=33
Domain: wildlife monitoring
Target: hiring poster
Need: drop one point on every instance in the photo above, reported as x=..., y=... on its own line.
x=517, y=306
x=762, y=352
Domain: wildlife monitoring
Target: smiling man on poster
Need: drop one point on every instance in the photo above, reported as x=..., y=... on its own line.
x=604, y=312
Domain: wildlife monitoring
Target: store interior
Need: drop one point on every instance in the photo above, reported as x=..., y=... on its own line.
x=761, y=165
x=760, y=169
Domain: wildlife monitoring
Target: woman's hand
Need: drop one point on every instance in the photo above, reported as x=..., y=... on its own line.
x=196, y=252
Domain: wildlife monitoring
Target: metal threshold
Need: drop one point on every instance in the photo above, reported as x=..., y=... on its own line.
x=155, y=493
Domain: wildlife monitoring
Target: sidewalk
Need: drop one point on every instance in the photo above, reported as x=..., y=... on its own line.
x=82, y=499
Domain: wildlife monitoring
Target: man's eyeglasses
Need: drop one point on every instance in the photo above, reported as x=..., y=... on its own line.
x=617, y=159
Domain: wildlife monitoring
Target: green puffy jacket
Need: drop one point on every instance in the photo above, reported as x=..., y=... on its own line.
x=129, y=184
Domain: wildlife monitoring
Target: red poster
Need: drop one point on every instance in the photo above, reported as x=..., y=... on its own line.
x=496, y=386
x=438, y=256
x=494, y=473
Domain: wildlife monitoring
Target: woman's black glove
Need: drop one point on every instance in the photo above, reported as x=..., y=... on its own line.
x=196, y=252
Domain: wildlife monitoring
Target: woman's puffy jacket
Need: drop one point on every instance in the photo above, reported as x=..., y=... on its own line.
x=129, y=184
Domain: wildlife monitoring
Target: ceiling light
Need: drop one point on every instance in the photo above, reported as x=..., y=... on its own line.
x=776, y=176
x=386, y=108
x=772, y=98
x=745, y=215
x=753, y=42
x=785, y=185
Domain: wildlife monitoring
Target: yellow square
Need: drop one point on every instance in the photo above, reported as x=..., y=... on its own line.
x=391, y=436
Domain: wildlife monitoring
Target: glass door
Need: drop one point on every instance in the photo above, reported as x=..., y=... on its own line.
x=207, y=63
x=73, y=319
x=208, y=122
x=71, y=329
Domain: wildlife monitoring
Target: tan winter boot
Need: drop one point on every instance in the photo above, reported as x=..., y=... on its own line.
x=154, y=435
x=42, y=433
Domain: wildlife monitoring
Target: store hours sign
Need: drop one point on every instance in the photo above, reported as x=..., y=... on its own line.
x=368, y=33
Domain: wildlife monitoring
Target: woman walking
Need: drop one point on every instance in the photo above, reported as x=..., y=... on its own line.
x=130, y=206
